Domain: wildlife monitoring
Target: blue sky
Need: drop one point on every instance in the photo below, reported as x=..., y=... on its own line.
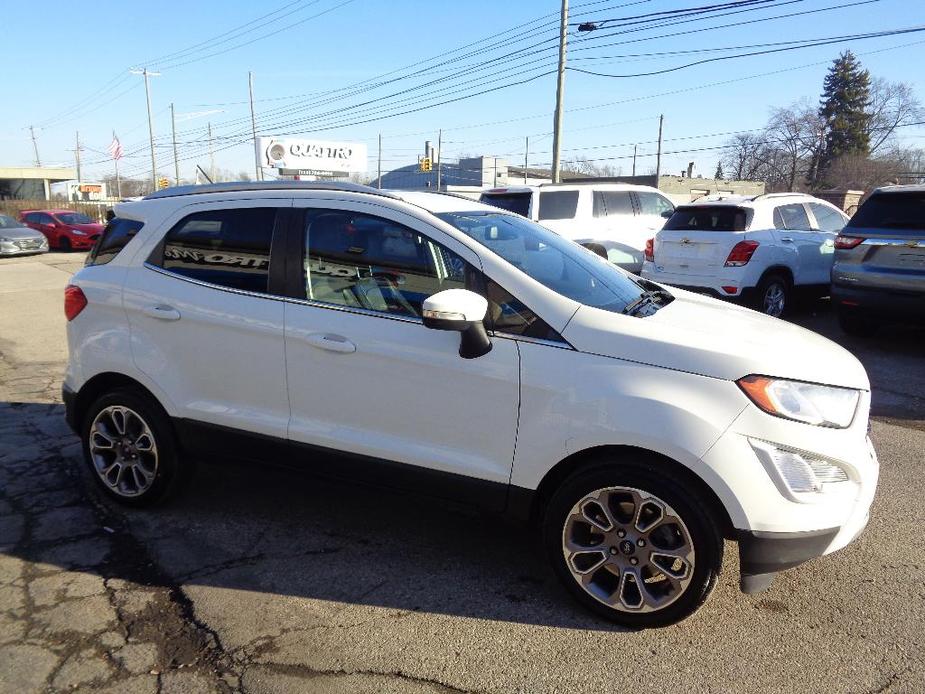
x=66, y=69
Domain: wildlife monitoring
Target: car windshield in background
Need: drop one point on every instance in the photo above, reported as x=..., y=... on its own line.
x=9, y=222
x=518, y=203
x=894, y=211
x=702, y=218
x=563, y=266
x=74, y=218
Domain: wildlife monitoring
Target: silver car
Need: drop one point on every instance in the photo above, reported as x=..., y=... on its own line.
x=18, y=239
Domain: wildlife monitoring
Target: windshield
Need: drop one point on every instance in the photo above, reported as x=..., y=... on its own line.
x=894, y=211
x=518, y=203
x=8, y=222
x=563, y=266
x=74, y=218
x=708, y=218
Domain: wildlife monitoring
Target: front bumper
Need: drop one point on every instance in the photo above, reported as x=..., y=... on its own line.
x=82, y=243
x=69, y=397
x=8, y=248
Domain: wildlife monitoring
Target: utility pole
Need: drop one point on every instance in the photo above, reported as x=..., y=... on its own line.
x=634, y=159
x=526, y=157
x=173, y=137
x=77, y=156
x=379, y=164
x=144, y=72
x=35, y=148
x=439, y=152
x=211, y=156
x=250, y=91
x=560, y=89
x=658, y=157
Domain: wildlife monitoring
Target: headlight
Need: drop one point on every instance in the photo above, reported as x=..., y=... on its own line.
x=825, y=406
x=78, y=232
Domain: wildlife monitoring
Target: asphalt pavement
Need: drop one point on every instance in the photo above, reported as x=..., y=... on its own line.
x=261, y=580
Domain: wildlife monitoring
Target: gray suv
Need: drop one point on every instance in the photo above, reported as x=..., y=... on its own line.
x=879, y=270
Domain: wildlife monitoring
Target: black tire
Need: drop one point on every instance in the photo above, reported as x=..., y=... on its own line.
x=661, y=482
x=168, y=470
x=857, y=323
x=768, y=289
x=64, y=244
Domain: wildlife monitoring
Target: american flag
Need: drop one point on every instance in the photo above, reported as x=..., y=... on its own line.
x=115, y=149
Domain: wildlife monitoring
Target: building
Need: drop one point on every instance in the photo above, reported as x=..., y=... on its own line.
x=682, y=189
x=31, y=183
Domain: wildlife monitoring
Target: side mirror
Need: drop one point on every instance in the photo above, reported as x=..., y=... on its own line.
x=462, y=311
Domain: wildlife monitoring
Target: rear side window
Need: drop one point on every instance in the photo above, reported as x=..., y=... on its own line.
x=899, y=212
x=113, y=239
x=653, y=204
x=558, y=204
x=612, y=203
x=791, y=217
x=518, y=203
x=827, y=219
x=704, y=218
x=230, y=248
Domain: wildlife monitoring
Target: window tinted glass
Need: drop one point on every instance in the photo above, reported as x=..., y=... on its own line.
x=612, y=203
x=113, y=239
x=792, y=216
x=507, y=314
x=653, y=203
x=893, y=211
x=518, y=203
x=563, y=266
x=827, y=219
x=372, y=263
x=705, y=218
x=8, y=222
x=226, y=247
x=558, y=204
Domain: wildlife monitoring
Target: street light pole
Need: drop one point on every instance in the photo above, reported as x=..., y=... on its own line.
x=35, y=148
x=173, y=137
x=560, y=93
x=250, y=91
x=146, y=74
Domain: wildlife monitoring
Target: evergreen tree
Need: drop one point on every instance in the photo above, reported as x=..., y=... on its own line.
x=718, y=175
x=843, y=110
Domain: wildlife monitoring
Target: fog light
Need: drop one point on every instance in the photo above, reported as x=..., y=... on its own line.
x=802, y=472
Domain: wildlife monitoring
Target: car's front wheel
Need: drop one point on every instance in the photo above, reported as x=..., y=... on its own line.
x=129, y=446
x=632, y=545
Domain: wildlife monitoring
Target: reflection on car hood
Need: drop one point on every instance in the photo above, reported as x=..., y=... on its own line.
x=21, y=233
x=706, y=336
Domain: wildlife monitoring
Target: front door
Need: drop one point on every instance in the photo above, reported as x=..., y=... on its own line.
x=366, y=377
x=795, y=231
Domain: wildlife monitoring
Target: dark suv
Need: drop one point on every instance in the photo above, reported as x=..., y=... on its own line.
x=879, y=270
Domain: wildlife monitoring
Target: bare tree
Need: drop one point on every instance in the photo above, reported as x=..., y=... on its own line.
x=589, y=167
x=793, y=138
x=745, y=156
x=892, y=105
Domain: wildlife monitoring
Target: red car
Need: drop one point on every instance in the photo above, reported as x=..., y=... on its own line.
x=65, y=229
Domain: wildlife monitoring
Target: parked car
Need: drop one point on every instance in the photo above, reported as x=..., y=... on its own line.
x=451, y=349
x=65, y=229
x=612, y=219
x=18, y=239
x=879, y=270
x=755, y=249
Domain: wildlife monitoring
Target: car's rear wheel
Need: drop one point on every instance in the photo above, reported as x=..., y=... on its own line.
x=772, y=296
x=130, y=448
x=856, y=322
x=632, y=545
x=64, y=244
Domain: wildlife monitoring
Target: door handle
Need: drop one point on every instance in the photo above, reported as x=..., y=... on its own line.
x=786, y=239
x=331, y=342
x=162, y=312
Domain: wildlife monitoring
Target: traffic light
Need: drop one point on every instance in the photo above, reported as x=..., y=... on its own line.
x=425, y=164
x=162, y=183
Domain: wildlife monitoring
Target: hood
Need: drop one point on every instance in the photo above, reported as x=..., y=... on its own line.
x=713, y=338
x=91, y=228
x=21, y=233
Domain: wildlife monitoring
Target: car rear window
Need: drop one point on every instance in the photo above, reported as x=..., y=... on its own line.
x=113, y=239
x=704, y=218
x=518, y=203
x=558, y=204
x=899, y=212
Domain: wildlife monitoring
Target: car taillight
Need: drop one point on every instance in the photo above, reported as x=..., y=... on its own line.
x=650, y=250
x=741, y=253
x=846, y=242
x=74, y=301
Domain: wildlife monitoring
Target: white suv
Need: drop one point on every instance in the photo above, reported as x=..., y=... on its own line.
x=613, y=219
x=448, y=348
x=759, y=249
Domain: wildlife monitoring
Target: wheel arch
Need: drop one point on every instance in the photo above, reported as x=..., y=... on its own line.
x=103, y=383
x=590, y=458
x=778, y=269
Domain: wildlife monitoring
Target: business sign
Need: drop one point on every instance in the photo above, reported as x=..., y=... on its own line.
x=334, y=158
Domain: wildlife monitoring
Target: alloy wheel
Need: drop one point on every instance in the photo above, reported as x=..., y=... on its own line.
x=628, y=549
x=775, y=297
x=123, y=451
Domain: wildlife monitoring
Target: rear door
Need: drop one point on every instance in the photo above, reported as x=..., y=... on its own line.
x=697, y=239
x=794, y=231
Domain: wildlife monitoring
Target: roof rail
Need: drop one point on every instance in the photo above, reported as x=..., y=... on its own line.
x=245, y=186
x=776, y=195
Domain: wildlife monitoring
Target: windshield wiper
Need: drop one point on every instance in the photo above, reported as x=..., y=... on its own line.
x=646, y=298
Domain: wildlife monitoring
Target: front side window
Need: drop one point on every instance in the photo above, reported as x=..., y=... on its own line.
x=827, y=219
x=612, y=203
x=558, y=204
x=370, y=263
x=230, y=248
x=791, y=217
x=653, y=204
x=113, y=239
x=559, y=264
x=508, y=314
